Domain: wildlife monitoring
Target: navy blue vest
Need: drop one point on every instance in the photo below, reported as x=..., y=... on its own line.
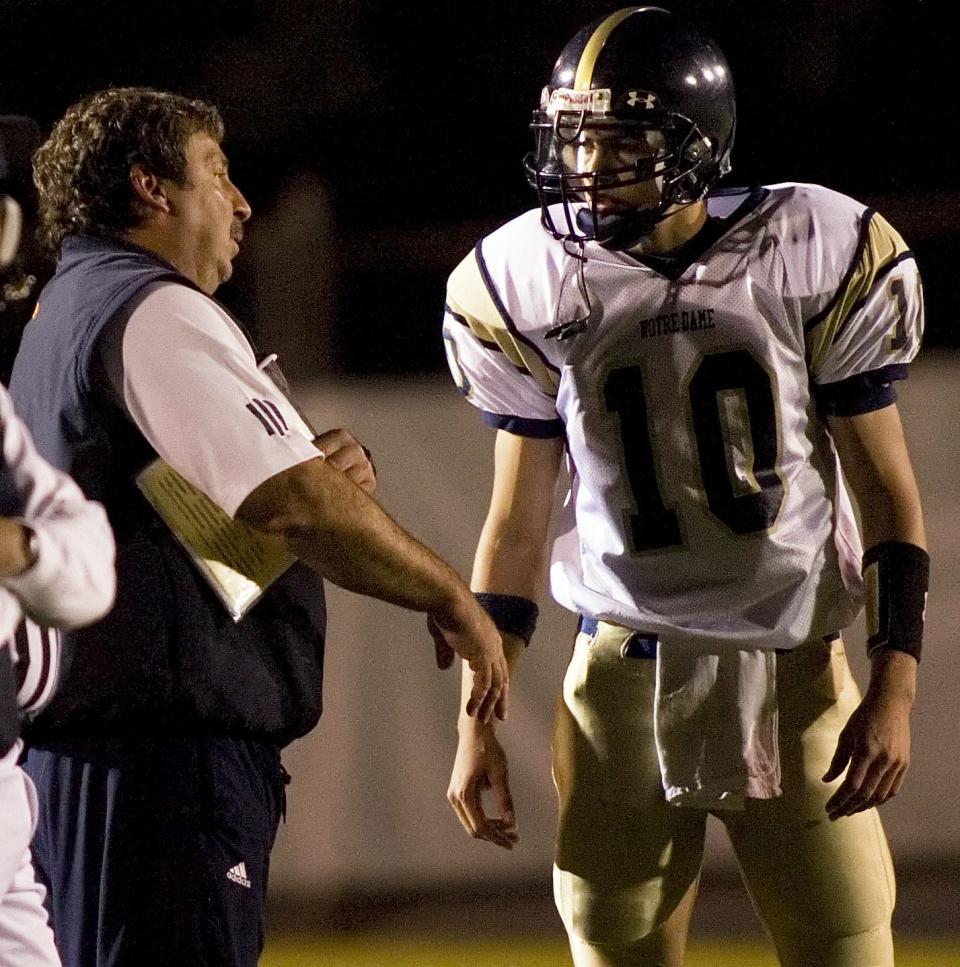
x=168, y=657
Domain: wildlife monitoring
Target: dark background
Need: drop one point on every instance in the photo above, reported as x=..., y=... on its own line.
x=376, y=141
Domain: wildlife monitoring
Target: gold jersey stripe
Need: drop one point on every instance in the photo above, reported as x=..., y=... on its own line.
x=883, y=247
x=469, y=297
x=588, y=59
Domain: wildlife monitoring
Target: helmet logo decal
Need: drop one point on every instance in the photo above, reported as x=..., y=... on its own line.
x=646, y=98
x=586, y=102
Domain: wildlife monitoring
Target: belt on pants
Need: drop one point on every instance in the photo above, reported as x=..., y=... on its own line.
x=642, y=644
x=639, y=644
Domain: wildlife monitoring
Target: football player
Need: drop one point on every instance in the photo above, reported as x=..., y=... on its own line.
x=56, y=570
x=707, y=361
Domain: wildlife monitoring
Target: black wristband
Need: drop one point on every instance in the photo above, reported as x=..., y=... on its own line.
x=897, y=575
x=511, y=614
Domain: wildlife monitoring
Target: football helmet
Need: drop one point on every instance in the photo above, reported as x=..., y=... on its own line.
x=636, y=98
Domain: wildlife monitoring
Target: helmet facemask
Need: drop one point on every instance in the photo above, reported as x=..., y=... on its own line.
x=588, y=161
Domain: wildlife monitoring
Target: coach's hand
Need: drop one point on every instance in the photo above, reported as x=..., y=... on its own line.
x=341, y=450
x=481, y=764
x=874, y=746
x=466, y=630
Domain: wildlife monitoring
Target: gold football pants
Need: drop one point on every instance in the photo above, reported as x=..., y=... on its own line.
x=624, y=857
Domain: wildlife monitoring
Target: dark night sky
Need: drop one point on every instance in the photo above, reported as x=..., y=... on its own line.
x=412, y=120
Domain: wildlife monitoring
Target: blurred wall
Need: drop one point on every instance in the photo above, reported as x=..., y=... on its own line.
x=366, y=806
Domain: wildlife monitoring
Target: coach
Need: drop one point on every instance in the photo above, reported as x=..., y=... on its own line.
x=158, y=761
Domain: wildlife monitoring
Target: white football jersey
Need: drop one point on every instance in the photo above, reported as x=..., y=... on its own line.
x=707, y=500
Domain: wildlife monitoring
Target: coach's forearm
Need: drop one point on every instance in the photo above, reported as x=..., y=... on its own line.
x=335, y=528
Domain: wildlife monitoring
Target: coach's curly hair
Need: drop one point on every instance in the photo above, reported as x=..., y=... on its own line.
x=82, y=171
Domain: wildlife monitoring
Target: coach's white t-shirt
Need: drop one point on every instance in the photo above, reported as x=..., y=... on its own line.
x=188, y=378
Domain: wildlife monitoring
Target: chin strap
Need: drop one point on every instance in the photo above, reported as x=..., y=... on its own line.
x=573, y=327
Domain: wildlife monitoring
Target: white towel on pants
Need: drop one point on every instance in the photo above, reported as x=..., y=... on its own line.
x=715, y=723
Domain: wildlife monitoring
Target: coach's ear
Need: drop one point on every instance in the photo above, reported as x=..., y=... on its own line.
x=149, y=190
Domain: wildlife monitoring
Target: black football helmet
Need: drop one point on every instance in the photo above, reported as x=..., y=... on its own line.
x=658, y=94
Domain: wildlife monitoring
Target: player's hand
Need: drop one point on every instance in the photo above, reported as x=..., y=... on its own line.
x=481, y=764
x=874, y=747
x=466, y=630
x=351, y=458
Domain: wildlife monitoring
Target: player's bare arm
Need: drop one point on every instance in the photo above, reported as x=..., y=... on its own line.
x=509, y=560
x=875, y=745
x=334, y=527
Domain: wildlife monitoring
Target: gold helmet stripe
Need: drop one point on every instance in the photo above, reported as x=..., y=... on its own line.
x=588, y=59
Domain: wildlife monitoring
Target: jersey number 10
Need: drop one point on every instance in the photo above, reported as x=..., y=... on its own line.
x=654, y=525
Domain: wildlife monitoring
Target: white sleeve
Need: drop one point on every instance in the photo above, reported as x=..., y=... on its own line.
x=73, y=581
x=492, y=364
x=874, y=320
x=191, y=384
x=508, y=398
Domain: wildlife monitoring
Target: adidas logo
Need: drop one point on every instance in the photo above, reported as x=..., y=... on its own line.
x=238, y=874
